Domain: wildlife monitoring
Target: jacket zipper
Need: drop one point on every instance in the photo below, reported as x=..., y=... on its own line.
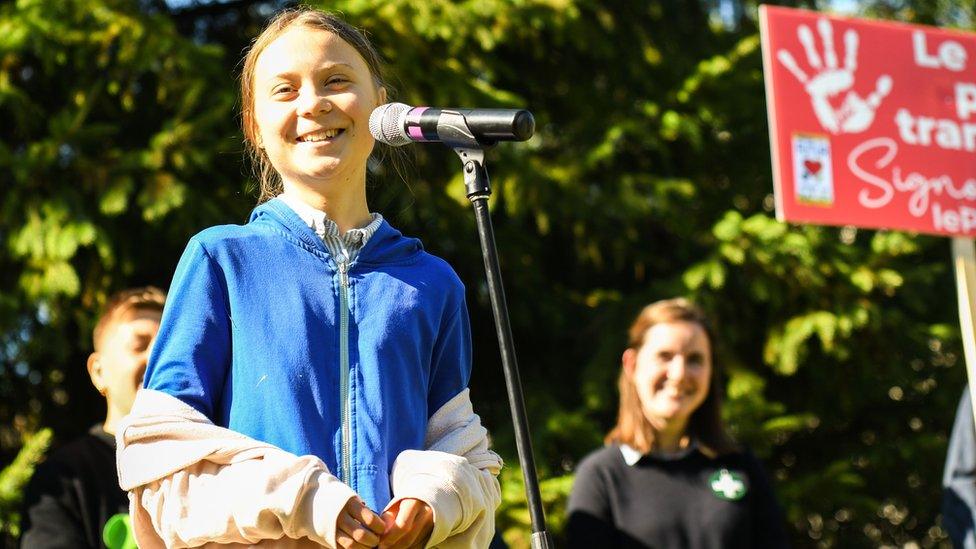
x=344, y=395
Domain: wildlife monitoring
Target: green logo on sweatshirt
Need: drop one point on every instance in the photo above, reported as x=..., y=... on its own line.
x=727, y=485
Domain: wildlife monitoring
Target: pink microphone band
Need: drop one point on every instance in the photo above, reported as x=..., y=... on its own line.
x=413, y=123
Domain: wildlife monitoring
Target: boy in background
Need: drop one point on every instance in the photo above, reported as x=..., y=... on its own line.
x=75, y=491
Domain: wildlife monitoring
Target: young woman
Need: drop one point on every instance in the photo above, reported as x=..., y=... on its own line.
x=669, y=475
x=315, y=330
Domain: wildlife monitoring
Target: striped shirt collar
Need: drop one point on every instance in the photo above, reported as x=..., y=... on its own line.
x=348, y=244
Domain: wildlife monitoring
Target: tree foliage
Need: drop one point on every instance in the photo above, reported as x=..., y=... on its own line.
x=118, y=139
x=14, y=477
x=648, y=177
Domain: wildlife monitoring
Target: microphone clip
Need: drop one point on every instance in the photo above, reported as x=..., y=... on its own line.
x=475, y=174
x=453, y=130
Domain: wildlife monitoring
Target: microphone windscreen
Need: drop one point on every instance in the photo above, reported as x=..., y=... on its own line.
x=386, y=124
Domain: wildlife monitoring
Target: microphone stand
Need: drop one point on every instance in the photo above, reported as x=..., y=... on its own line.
x=452, y=128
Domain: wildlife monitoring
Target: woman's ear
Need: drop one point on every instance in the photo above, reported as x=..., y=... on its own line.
x=381, y=94
x=629, y=362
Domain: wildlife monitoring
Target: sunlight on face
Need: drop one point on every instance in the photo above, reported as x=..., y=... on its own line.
x=313, y=94
x=125, y=352
x=672, y=371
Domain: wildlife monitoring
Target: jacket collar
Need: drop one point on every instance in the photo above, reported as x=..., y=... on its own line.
x=387, y=245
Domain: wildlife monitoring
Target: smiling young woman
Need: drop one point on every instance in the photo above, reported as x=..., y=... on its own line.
x=307, y=92
x=670, y=476
x=317, y=359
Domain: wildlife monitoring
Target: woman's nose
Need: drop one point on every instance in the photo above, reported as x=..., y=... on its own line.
x=312, y=103
x=677, y=367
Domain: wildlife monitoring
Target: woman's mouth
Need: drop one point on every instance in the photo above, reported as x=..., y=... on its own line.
x=319, y=136
x=676, y=392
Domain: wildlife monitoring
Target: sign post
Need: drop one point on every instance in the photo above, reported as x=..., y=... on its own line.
x=964, y=258
x=873, y=124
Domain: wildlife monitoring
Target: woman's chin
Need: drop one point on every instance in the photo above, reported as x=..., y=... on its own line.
x=316, y=176
x=669, y=412
x=325, y=169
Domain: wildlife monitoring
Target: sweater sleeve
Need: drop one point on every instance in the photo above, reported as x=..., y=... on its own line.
x=590, y=517
x=192, y=351
x=192, y=482
x=455, y=475
x=768, y=522
x=244, y=502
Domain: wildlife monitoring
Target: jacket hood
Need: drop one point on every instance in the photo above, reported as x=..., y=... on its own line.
x=387, y=245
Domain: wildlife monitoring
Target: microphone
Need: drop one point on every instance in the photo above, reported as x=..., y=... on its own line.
x=396, y=124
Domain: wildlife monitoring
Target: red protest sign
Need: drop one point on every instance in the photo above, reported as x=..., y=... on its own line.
x=872, y=124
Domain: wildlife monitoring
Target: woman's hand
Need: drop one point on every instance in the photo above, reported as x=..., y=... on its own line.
x=408, y=524
x=357, y=526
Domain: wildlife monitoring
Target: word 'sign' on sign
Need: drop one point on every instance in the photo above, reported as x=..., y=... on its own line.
x=872, y=124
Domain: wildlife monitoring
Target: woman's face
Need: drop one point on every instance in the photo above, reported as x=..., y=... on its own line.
x=313, y=94
x=671, y=372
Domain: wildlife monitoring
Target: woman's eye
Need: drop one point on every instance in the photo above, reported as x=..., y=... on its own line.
x=336, y=80
x=664, y=356
x=281, y=89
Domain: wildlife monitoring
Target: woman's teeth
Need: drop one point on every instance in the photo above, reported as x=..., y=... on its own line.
x=319, y=136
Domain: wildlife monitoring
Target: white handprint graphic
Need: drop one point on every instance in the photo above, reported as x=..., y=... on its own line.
x=855, y=113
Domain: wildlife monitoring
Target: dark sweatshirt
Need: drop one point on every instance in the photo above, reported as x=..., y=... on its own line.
x=685, y=500
x=72, y=494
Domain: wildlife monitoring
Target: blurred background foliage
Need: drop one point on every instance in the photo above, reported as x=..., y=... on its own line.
x=649, y=177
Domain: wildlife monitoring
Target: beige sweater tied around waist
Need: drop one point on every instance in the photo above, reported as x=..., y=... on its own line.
x=194, y=484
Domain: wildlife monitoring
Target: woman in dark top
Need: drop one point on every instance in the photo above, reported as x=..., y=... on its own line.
x=670, y=476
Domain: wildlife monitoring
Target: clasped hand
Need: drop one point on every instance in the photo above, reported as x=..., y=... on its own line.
x=406, y=524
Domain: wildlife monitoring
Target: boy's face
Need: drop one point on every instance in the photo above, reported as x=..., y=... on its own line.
x=117, y=368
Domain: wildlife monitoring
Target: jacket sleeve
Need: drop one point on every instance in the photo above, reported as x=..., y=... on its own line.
x=450, y=368
x=959, y=478
x=456, y=472
x=769, y=524
x=192, y=351
x=224, y=486
x=455, y=475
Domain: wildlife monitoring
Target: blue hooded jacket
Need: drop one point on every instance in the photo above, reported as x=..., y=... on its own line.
x=267, y=334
